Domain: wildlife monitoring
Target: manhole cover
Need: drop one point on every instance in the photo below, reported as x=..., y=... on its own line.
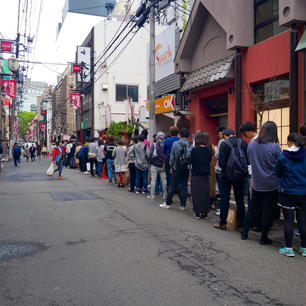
x=10, y=250
x=73, y=195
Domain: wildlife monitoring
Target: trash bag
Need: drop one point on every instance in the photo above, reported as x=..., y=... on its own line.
x=50, y=170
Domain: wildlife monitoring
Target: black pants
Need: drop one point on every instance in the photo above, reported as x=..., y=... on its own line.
x=266, y=202
x=92, y=162
x=32, y=157
x=132, y=176
x=291, y=203
x=178, y=178
x=200, y=189
x=82, y=163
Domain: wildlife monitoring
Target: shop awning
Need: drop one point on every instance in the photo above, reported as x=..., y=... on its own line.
x=211, y=73
x=302, y=43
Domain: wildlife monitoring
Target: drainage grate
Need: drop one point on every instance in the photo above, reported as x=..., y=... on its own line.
x=10, y=250
x=73, y=195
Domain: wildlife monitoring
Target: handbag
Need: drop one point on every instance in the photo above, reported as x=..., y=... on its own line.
x=231, y=220
x=91, y=155
x=50, y=170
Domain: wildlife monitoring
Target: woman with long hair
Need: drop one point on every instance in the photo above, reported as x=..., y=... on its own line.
x=200, y=187
x=263, y=153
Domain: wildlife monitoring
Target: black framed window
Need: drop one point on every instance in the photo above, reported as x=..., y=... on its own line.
x=123, y=92
x=266, y=19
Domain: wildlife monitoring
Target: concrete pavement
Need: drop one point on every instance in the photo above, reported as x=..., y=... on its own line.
x=101, y=245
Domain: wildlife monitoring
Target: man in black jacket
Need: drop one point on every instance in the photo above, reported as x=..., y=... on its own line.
x=226, y=182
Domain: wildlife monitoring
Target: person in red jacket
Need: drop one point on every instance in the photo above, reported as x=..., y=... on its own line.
x=58, y=159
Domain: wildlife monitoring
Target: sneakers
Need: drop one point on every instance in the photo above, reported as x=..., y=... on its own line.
x=265, y=241
x=218, y=212
x=164, y=205
x=183, y=208
x=60, y=178
x=137, y=192
x=287, y=251
x=197, y=216
x=302, y=251
x=151, y=197
x=220, y=226
x=86, y=172
x=164, y=196
x=297, y=232
x=203, y=216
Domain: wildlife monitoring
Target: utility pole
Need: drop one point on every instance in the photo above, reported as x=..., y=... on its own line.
x=152, y=73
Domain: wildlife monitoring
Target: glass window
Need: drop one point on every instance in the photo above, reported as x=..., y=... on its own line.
x=121, y=93
x=266, y=19
x=133, y=93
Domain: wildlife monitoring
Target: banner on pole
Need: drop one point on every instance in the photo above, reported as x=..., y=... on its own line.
x=8, y=87
x=75, y=99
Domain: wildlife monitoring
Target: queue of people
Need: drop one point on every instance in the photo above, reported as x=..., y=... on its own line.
x=257, y=168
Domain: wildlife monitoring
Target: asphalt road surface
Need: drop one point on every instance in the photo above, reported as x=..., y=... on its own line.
x=85, y=242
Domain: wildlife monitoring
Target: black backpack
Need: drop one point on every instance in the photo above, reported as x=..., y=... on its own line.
x=182, y=163
x=237, y=164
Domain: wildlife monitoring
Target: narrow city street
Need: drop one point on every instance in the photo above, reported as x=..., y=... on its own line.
x=83, y=241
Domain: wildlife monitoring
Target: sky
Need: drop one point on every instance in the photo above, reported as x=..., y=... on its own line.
x=45, y=32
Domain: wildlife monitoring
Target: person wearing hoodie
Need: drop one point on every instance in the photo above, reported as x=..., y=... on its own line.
x=141, y=152
x=291, y=169
x=179, y=168
x=157, y=160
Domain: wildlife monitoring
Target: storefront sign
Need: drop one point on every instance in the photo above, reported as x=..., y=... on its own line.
x=83, y=55
x=75, y=99
x=6, y=46
x=8, y=87
x=43, y=126
x=163, y=105
x=76, y=68
x=7, y=100
x=164, y=54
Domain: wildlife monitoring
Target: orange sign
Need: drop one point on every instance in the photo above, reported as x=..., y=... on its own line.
x=163, y=105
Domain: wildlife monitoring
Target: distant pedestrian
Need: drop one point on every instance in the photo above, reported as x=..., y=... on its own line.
x=68, y=152
x=58, y=159
x=120, y=162
x=141, y=152
x=173, y=131
x=100, y=153
x=291, y=169
x=27, y=152
x=72, y=163
x=92, y=156
x=145, y=134
x=78, y=147
x=157, y=161
x=179, y=168
x=131, y=164
x=82, y=157
x=32, y=153
x=44, y=152
x=200, y=187
x=234, y=164
x=109, y=148
x=263, y=153
x=16, y=154
x=38, y=150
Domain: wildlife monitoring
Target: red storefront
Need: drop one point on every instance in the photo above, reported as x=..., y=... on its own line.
x=227, y=85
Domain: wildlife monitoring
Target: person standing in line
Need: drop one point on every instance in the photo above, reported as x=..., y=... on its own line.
x=233, y=162
x=179, y=168
x=38, y=150
x=157, y=160
x=100, y=153
x=44, y=152
x=131, y=165
x=145, y=134
x=72, y=163
x=68, y=152
x=291, y=169
x=200, y=159
x=27, y=152
x=303, y=133
x=82, y=157
x=92, y=157
x=263, y=153
x=109, y=148
x=120, y=162
x=16, y=154
x=141, y=152
x=78, y=147
x=173, y=131
x=57, y=158
x=217, y=167
x=32, y=152
x=1, y=153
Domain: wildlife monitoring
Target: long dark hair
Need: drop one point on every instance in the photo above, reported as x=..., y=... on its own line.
x=268, y=133
x=202, y=138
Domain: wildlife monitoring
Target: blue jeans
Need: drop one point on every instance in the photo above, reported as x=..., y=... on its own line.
x=158, y=186
x=239, y=198
x=142, y=175
x=99, y=168
x=110, y=172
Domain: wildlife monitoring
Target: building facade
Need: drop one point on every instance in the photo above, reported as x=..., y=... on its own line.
x=240, y=63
